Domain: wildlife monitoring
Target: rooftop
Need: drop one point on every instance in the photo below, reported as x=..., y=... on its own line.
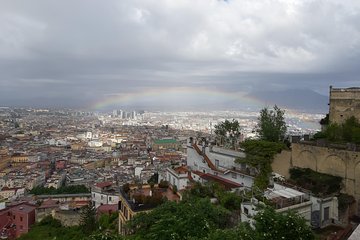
x=23, y=208
x=181, y=170
x=225, y=182
x=165, y=141
x=64, y=195
x=103, y=184
x=107, y=208
x=147, y=198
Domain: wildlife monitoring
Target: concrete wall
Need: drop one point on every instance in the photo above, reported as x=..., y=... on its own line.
x=67, y=218
x=224, y=160
x=195, y=161
x=303, y=209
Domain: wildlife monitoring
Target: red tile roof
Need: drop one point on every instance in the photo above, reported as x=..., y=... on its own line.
x=103, y=184
x=198, y=173
x=181, y=170
x=206, y=158
x=107, y=208
x=49, y=203
x=23, y=208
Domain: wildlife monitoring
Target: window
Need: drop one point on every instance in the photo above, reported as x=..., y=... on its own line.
x=216, y=163
x=21, y=219
x=110, y=199
x=326, y=213
x=233, y=175
x=246, y=211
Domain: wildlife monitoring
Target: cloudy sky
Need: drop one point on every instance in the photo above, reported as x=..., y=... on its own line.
x=82, y=53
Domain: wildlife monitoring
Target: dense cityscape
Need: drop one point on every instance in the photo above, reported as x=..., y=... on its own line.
x=180, y=120
x=56, y=163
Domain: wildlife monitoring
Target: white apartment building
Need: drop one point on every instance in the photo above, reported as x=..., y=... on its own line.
x=214, y=163
x=104, y=193
x=178, y=177
x=318, y=212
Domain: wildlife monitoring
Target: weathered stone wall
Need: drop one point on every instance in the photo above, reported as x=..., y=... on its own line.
x=282, y=163
x=343, y=163
x=344, y=103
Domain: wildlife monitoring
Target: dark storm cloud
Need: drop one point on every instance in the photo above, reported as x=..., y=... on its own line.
x=79, y=51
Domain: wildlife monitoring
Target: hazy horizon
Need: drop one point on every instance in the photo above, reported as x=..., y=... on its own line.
x=176, y=54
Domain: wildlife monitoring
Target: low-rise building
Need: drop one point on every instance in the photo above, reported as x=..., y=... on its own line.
x=179, y=177
x=11, y=193
x=75, y=199
x=215, y=163
x=16, y=220
x=318, y=212
x=104, y=193
x=166, y=143
x=136, y=200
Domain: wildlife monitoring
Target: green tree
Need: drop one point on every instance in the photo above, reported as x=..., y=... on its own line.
x=228, y=132
x=260, y=154
x=349, y=131
x=191, y=219
x=242, y=232
x=153, y=179
x=109, y=222
x=88, y=221
x=271, y=124
x=272, y=225
x=229, y=200
x=40, y=190
x=104, y=236
x=268, y=225
x=50, y=229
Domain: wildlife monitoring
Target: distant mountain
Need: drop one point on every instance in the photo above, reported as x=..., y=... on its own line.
x=299, y=99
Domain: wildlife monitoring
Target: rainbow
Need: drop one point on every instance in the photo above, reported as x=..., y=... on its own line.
x=164, y=94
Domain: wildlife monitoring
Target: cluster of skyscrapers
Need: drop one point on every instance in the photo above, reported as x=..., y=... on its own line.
x=124, y=115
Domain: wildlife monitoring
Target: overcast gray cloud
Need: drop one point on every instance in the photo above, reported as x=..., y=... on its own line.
x=77, y=52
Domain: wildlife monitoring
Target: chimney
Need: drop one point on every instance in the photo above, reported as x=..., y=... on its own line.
x=203, y=147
